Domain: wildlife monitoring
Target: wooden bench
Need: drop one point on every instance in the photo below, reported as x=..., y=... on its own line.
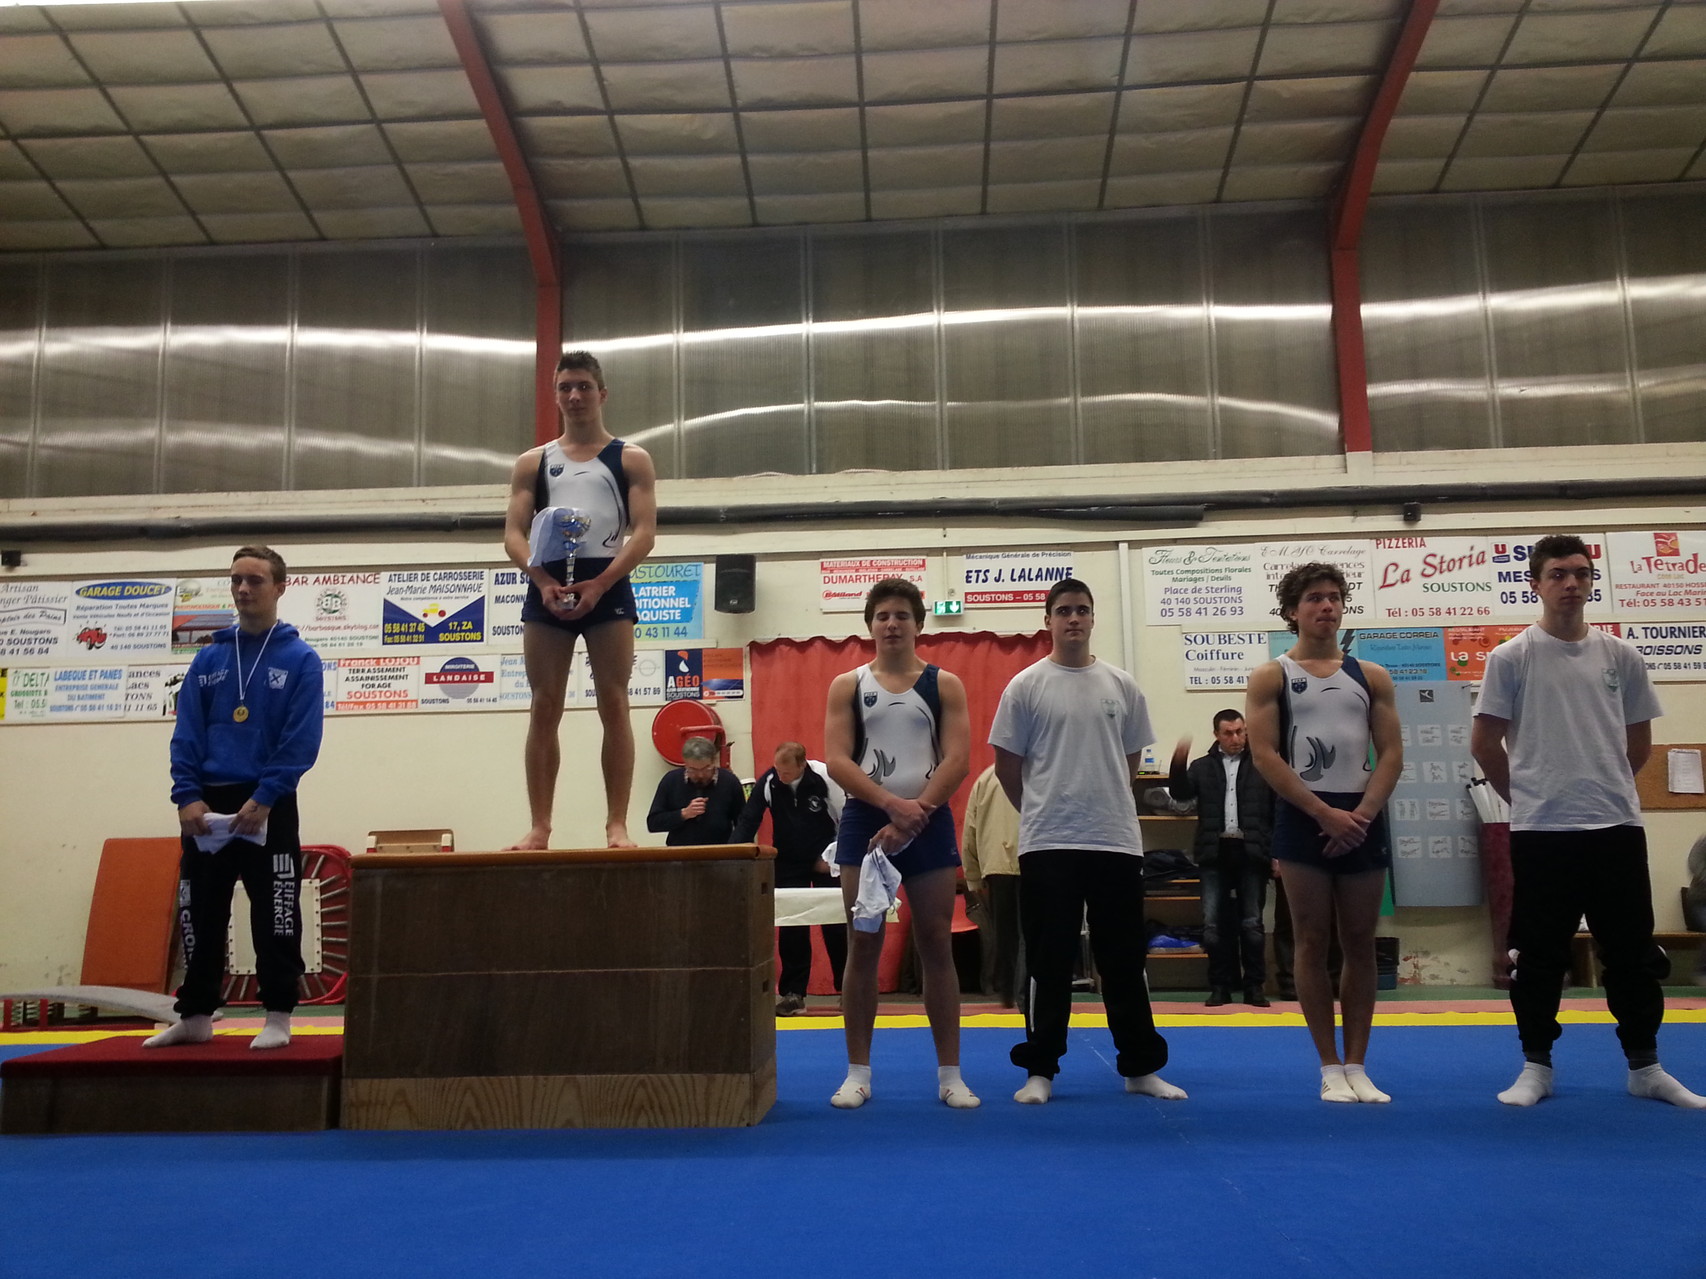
x=1584, y=956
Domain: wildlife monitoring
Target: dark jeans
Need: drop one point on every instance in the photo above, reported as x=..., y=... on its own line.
x=1057, y=886
x=1560, y=876
x=794, y=945
x=272, y=877
x=1234, y=892
x=1004, y=959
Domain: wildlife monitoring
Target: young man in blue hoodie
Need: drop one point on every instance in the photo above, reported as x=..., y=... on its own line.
x=248, y=727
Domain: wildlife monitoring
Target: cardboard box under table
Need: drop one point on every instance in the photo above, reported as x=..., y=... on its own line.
x=591, y=988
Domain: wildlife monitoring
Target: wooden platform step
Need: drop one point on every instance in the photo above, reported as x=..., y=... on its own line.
x=117, y=1085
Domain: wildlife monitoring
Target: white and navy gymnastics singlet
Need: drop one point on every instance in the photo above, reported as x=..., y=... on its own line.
x=896, y=738
x=598, y=487
x=1324, y=736
x=1325, y=727
x=897, y=742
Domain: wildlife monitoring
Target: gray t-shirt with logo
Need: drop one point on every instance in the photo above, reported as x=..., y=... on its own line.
x=1074, y=727
x=1568, y=704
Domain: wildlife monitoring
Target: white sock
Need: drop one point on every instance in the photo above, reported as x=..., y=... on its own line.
x=855, y=1090
x=1362, y=1085
x=1037, y=1090
x=1652, y=1081
x=194, y=1029
x=954, y=1090
x=1535, y=1084
x=275, y=1034
x=1154, y=1086
x=1334, y=1085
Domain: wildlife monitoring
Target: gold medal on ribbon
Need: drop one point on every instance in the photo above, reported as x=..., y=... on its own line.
x=242, y=711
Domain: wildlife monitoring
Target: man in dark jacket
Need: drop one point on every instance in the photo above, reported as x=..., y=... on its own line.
x=698, y=802
x=1234, y=818
x=804, y=807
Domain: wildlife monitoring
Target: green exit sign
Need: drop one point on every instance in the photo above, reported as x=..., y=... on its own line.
x=946, y=608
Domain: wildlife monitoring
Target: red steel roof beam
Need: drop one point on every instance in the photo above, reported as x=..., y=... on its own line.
x=1349, y=209
x=543, y=249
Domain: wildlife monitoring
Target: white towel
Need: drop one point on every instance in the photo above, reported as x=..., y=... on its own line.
x=219, y=833
x=879, y=881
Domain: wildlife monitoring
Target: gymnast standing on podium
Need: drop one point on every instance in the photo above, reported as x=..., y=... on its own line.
x=249, y=720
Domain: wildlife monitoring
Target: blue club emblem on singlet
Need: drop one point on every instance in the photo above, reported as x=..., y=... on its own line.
x=870, y=699
x=556, y=470
x=1299, y=685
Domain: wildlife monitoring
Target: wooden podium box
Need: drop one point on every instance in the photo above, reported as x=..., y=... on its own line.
x=561, y=989
x=117, y=1085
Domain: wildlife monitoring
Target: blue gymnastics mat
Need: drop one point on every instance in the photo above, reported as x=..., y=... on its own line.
x=1251, y=1177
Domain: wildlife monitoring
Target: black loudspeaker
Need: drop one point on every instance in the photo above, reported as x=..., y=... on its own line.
x=734, y=586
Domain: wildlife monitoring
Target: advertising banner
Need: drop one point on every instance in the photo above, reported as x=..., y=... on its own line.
x=335, y=611
x=1659, y=575
x=724, y=673
x=435, y=606
x=1409, y=656
x=1007, y=578
x=1466, y=648
x=151, y=692
x=1352, y=558
x=86, y=693
x=27, y=693
x=843, y=584
x=1200, y=586
x=1221, y=659
x=200, y=606
x=378, y=683
x=1434, y=579
x=460, y=683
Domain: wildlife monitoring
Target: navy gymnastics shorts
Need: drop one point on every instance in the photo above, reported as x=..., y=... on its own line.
x=1297, y=840
x=933, y=848
x=616, y=604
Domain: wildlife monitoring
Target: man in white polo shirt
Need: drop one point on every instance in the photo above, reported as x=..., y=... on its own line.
x=1067, y=736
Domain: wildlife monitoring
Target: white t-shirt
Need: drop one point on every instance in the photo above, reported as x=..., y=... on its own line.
x=1568, y=705
x=1074, y=727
